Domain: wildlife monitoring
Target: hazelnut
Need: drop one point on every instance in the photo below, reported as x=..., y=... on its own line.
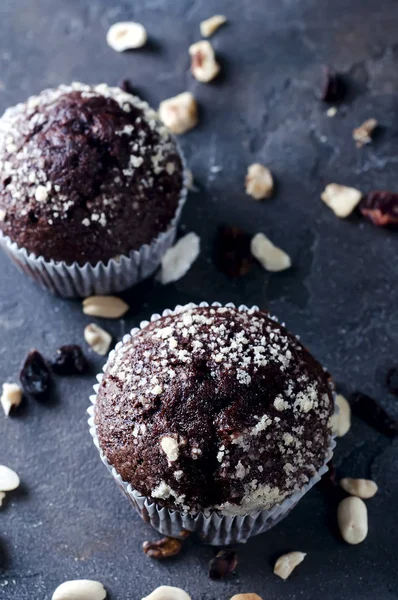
x=259, y=182
x=179, y=114
x=126, y=35
x=363, y=134
x=341, y=199
x=204, y=66
x=210, y=26
x=271, y=257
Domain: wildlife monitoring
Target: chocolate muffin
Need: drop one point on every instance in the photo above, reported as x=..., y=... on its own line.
x=214, y=408
x=87, y=174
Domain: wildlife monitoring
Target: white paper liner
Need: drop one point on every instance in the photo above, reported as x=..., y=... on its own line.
x=70, y=281
x=212, y=526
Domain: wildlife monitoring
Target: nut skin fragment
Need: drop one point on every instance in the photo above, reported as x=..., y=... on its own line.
x=164, y=548
x=362, y=488
x=352, y=518
x=10, y=397
x=271, y=257
x=167, y=592
x=363, y=134
x=126, y=35
x=246, y=597
x=286, y=563
x=99, y=339
x=204, y=66
x=341, y=199
x=80, y=589
x=341, y=422
x=210, y=26
x=180, y=113
x=259, y=182
x=108, y=307
x=9, y=480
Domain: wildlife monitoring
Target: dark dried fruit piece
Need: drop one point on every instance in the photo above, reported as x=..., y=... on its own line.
x=381, y=208
x=334, y=88
x=35, y=374
x=223, y=564
x=163, y=548
x=126, y=86
x=70, y=360
x=232, y=253
x=392, y=380
x=367, y=409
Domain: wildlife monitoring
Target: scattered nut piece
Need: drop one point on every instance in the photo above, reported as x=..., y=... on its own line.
x=99, y=339
x=332, y=111
x=109, y=307
x=190, y=181
x=352, y=517
x=11, y=396
x=271, y=257
x=180, y=113
x=286, y=563
x=222, y=564
x=341, y=199
x=80, y=589
x=204, y=66
x=363, y=488
x=246, y=597
x=2, y=496
x=178, y=260
x=259, y=182
x=9, y=480
x=163, y=548
x=341, y=422
x=210, y=26
x=167, y=592
x=363, y=134
x=126, y=35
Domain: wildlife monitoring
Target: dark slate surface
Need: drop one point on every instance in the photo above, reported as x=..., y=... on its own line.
x=69, y=520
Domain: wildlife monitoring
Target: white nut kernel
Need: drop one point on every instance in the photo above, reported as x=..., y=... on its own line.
x=180, y=113
x=11, y=396
x=204, y=66
x=286, y=564
x=363, y=488
x=352, y=517
x=259, y=182
x=363, y=134
x=210, y=26
x=341, y=422
x=271, y=257
x=178, y=260
x=99, y=339
x=341, y=199
x=9, y=480
x=246, y=597
x=109, y=307
x=80, y=589
x=167, y=592
x=126, y=35
x=331, y=112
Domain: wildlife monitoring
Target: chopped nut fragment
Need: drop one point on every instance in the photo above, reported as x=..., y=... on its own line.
x=363, y=134
x=190, y=181
x=80, y=589
x=341, y=199
x=99, y=339
x=246, y=597
x=11, y=396
x=259, y=182
x=286, y=564
x=363, y=488
x=352, y=517
x=180, y=113
x=163, y=548
x=178, y=260
x=126, y=35
x=9, y=480
x=332, y=111
x=109, y=307
x=341, y=422
x=271, y=257
x=204, y=66
x=210, y=26
x=167, y=592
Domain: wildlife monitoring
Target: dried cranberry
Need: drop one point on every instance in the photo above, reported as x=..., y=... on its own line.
x=367, y=409
x=392, y=380
x=223, y=564
x=69, y=360
x=232, y=251
x=381, y=207
x=126, y=86
x=163, y=548
x=35, y=374
x=334, y=88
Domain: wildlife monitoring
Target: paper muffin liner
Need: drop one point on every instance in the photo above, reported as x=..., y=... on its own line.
x=212, y=526
x=118, y=274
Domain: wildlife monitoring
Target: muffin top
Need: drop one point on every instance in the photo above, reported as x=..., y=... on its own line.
x=214, y=407
x=87, y=173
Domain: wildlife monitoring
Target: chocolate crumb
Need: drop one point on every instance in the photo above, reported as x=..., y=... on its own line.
x=163, y=548
x=35, y=374
x=334, y=88
x=381, y=208
x=367, y=408
x=223, y=564
x=70, y=360
x=232, y=253
x=392, y=380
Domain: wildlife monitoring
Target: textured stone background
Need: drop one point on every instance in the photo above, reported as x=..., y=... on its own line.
x=68, y=520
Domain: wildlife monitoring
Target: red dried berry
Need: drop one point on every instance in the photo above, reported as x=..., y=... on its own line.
x=334, y=88
x=232, y=253
x=223, y=564
x=35, y=374
x=381, y=208
x=366, y=408
x=70, y=360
